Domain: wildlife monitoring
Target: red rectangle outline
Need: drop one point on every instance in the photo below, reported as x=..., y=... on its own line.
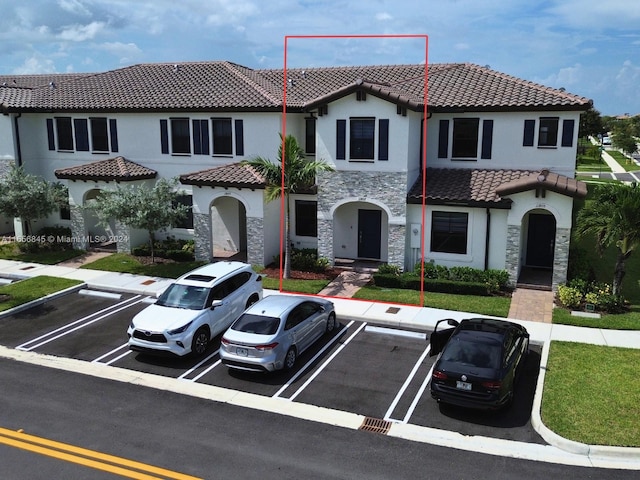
x=424, y=136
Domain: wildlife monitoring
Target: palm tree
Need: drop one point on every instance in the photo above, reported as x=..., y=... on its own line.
x=299, y=174
x=613, y=217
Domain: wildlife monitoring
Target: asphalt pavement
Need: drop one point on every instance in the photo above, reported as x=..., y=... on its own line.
x=558, y=450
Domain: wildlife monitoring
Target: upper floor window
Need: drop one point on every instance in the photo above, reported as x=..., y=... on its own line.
x=465, y=138
x=449, y=232
x=362, y=139
x=310, y=135
x=467, y=135
x=96, y=134
x=548, y=132
x=176, y=136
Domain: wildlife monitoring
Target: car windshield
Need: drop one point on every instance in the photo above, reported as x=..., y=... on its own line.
x=184, y=296
x=258, y=324
x=477, y=354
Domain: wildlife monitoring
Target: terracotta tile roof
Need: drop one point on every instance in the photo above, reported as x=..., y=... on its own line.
x=226, y=86
x=118, y=168
x=546, y=180
x=232, y=175
x=486, y=188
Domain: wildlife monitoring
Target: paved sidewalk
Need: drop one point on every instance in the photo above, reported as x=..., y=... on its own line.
x=532, y=305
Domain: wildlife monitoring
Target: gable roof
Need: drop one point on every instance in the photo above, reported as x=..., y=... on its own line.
x=226, y=86
x=119, y=169
x=488, y=188
x=238, y=175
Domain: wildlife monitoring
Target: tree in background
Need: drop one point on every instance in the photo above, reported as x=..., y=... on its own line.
x=612, y=216
x=299, y=174
x=591, y=124
x=30, y=197
x=151, y=209
x=623, y=137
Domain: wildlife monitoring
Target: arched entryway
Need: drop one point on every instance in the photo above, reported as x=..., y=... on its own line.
x=360, y=232
x=93, y=230
x=228, y=228
x=539, y=245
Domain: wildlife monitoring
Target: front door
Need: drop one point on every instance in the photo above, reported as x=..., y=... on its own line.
x=541, y=240
x=369, y=233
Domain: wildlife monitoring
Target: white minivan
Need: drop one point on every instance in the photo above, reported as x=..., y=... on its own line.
x=194, y=309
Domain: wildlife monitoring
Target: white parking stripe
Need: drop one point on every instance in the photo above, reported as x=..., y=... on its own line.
x=396, y=331
x=198, y=365
x=86, y=324
x=108, y=354
x=418, y=396
x=406, y=383
x=323, y=366
x=128, y=352
x=203, y=373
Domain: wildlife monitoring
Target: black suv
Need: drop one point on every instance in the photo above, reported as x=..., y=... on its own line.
x=480, y=361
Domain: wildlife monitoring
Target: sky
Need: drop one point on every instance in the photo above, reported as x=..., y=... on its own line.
x=589, y=47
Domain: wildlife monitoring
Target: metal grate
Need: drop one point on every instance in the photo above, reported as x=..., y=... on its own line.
x=375, y=425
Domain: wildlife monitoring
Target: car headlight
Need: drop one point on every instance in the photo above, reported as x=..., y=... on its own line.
x=179, y=330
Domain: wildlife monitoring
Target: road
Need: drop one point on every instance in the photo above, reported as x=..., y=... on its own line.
x=211, y=440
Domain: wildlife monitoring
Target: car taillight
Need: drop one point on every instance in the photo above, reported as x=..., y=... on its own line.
x=438, y=375
x=268, y=346
x=492, y=385
x=224, y=341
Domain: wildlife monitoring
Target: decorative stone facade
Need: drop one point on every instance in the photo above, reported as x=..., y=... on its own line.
x=255, y=247
x=387, y=190
x=123, y=234
x=512, y=260
x=78, y=227
x=561, y=258
x=202, y=236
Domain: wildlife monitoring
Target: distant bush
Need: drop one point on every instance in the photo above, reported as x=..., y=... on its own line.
x=171, y=248
x=306, y=260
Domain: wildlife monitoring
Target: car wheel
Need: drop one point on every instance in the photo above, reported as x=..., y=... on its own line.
x=290, y=358
x=200, y=341
x=331, y=322
x=253, y=299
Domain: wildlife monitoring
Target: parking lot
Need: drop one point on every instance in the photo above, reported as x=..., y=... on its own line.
x=360, y=368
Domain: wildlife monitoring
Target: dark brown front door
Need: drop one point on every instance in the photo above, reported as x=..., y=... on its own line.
x=541, y=240
x=369, y=233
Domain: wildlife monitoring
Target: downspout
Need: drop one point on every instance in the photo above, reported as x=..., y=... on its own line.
x=486, y=240
x=18, y=149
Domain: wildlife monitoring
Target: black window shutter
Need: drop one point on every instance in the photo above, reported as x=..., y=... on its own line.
x=50, y=136
x=487, y=139
x=113, y=130
x=567, y=133
x=341, y=139
x=164, y=136
x=82, y=134
x=443, y=139
x=197, y=137
x=204, y=135
x=239, y=126
x=529, y=131
x=383, y=140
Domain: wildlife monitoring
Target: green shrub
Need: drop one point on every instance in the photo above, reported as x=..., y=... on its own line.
x=171, y=248
x=569, y=297
x=387, y=268
x=306, y=260
x=47, y=239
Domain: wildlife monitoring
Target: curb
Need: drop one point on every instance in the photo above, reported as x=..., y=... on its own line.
x=40, y=301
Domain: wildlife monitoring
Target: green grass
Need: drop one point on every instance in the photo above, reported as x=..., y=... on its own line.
x=592, y=394
x=30, y=289
x=293, y=285
x=622, y=321
x=494, y=306
x=9, y=251
x=125, y=263
x=624, y=161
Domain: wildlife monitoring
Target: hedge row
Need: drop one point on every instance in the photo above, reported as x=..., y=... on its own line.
x=412, y=281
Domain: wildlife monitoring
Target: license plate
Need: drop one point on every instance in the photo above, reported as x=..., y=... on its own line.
x=242, y=352
x=463, y=385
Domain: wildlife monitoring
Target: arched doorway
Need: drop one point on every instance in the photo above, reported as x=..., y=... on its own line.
x=93, y=229
x=228, y=228
x=539, y=248
x=360, y=232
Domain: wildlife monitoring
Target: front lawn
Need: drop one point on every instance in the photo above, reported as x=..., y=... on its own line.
x=30, y=289
x=592, y=394
x=494, y=306
x=125, y=263
x=621, y=321
x=9, y=251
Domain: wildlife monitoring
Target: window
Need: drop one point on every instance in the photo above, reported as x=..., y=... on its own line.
x=361, y=138
x=187, y=221
x=449, y=232
x=465, y=138
x=180, y=137
x=306, y=218
x=310, y=135
x=200, y=137
x=99, y=135
x=548, y=132
x=222, y=136
x=64, y=133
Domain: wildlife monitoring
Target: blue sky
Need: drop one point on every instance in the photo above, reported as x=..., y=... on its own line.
x=589, y=47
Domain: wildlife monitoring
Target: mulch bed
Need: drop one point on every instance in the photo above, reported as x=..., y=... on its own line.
x=328, y=274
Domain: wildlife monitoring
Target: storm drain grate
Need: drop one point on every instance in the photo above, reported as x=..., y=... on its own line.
x=375, y=425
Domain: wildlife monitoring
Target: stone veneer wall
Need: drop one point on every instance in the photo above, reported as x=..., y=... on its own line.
x=388, y=188
x=202, y=236
x=561, y=258
x=512, y=261
x=255, y=241
x=123, y=234
x=78, y=227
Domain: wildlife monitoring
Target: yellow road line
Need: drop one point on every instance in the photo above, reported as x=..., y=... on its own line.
x=116, y=465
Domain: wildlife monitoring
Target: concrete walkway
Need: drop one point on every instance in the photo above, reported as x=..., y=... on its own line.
x=532, y=305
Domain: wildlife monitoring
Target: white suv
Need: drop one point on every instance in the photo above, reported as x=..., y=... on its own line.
x=195, y=308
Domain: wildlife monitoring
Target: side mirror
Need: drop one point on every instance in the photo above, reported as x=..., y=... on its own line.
x=452, y=322
x=215, y=303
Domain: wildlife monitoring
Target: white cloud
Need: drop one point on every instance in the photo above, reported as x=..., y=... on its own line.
x=75, y=7
x=35, y=64
x=383, y=17
x=80, y=33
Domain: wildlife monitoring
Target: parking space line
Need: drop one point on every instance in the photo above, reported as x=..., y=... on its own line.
x=78, y=324
x=198, y=365
x=405, y=385
x=128, y=352
x=418, y=396
x=324, y=364
x=108, y=354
